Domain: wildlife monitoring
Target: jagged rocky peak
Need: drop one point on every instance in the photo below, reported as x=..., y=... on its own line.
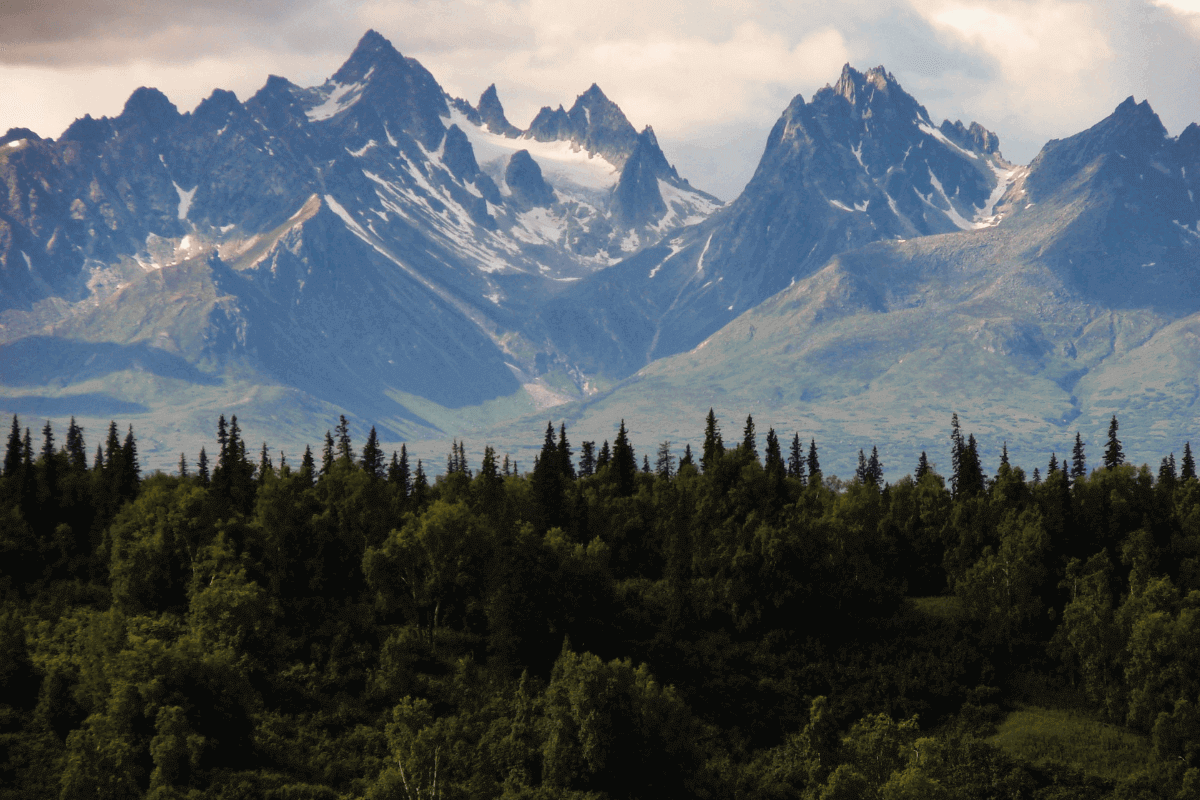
x=594, y=123
x=524, y=179
x=974, y=137
x=150, y=108
x=491, y=112
x=16, y=134
x=372, y=52
x=875, y=95
x=638, y=197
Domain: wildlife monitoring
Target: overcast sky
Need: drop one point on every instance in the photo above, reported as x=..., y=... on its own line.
x=711, y=77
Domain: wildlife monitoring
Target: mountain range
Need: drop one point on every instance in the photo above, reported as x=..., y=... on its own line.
x=375, y=247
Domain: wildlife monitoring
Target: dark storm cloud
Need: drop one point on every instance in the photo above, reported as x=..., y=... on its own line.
x=116, y=31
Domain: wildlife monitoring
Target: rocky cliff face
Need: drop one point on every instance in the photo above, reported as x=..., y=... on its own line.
x=367, y=236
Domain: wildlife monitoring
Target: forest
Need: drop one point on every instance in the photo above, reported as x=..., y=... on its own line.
x=730, y=623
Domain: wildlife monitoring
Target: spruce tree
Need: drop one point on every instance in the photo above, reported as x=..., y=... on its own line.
x=420, y=485
x=686, y=460
x=76, y=449
x=1166, y=473
x=875, y=468
x=970, y=482
x=1078, y=462
x=664, y=465
x=773, y=462
x=605, y=456
x=565, y=466
x=796, y=458
x=98, y=462
x=372, y=458
x=222, y=441
x=264, y=463
x=1113, y=455
x=27, y=450
x=860, y=472
x=645, y=464
x=132, y=471
x=345, y=453
x=587, y=459
x=749, y=439
x=922, y=466
x=1053, y=466
x=202, y=468
x=624, y=462
x=405, y=477
x=1187, y=467
x=1004, y=455
x=956, y=453
x=713, y=446
x=12, y=456
x=463, y=465
x=308, y=465
x=814, y=465
x=1037, y=477
x=183, y=467
x=327, y=454
x=452, y=465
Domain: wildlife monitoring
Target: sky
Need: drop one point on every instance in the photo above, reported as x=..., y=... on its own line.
x=711, y=77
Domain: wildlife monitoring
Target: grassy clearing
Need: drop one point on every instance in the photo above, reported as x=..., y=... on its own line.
x=1043, y=736
x=947, y=607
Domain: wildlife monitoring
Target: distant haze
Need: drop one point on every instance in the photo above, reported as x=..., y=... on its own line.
x=710, y=77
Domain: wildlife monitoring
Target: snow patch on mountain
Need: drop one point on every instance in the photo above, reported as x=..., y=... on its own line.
x=337, y=97
x=185, y=198
x=560, y=161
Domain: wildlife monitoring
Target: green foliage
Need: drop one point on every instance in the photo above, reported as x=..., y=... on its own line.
x=345, y=633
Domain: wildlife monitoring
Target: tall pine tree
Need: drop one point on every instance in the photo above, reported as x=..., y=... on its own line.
x=1114, y=456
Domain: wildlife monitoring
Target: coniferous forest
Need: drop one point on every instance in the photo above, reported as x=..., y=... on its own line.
x=729, y=623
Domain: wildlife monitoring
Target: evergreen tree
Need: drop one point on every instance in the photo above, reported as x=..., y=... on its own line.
x=1037, y=477
x=132, y=470
x=686, y=460
x=372, y=458
x=664, y=465
x=420, y=485
x=264, y=463
x=47, y=441
x=1053, y=466
x=76, y=449
x=774, y=459
x=605, y=456
x=1187, y=467
x=645, y=464
x=548, y=484
x=463, y=465
x=283, y=465
x=713, y=446
x=565, y=466
x=796, y=459
x=922, y=466
x=488, y=470
x=624, y=462
x=27, y=450
x=452, y=465
x=749, y=439
x=308, y=465
x=587, y=459
x=222, y=441
x=12, y=456
x=183, y=467
x=1113, y=455
x=1004, y=455
x=113, y=463
x=98, y=462
x=956, y=453
x=970, y=479
x=814, y=465
x=1166, y=472
x=874, y=468
x=345, y=453
x=237, y=446
x=404, y=478
x=1078, y=462
x=327, y=454
x=860, y=472
x=202, y=468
